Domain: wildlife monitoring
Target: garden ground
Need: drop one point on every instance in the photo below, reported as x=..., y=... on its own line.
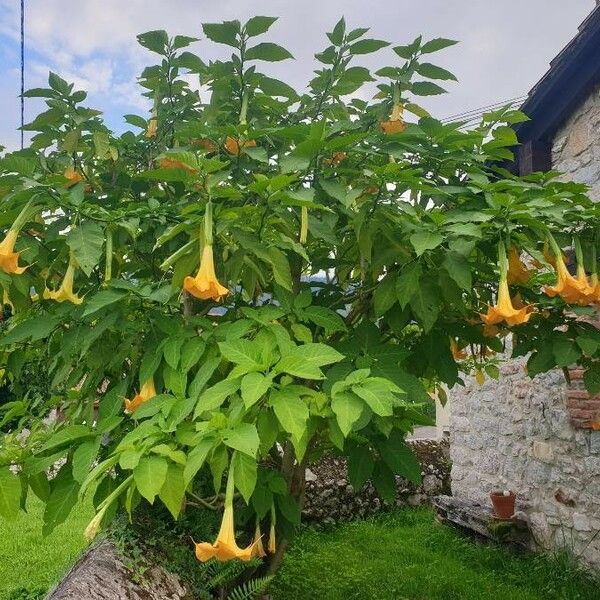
x=397, y=556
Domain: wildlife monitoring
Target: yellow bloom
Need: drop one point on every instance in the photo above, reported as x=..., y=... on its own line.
x=8, y=258
x=517, y=272
x=73, y=176
x=234, y=146
x=91, y=531
x=479, y=376
x=205, y=285
x=396, y=123
x=258, y=549
x=573, y=290
x=225, y=547
x=272, y=547
x=65, y=291
x=148, y=391
x=152, y=128
x=456, y=352
x=504, y=309
x=172, y=163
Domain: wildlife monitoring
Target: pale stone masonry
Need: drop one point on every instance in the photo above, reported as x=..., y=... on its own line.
x=576, y=145
x=518, y=433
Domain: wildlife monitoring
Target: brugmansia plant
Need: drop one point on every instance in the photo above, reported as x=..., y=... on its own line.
x=259, y=275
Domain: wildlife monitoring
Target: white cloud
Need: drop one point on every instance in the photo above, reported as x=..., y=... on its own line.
x=92, y=42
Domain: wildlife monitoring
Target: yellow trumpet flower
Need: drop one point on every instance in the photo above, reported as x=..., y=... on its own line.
x=205, y=284
x=258, y=549
x=8, y=258
x=65, y=291
x=504, y=309
x=395, y=124
x=152, y=129
x=573, y=290
x=457, y=353
x=148, y=391
x=518, y=273
x=225, y=547
x=234, y=146
x=272, y=546
x=73, y=176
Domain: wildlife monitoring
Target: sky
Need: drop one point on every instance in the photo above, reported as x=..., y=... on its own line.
x=505, y=46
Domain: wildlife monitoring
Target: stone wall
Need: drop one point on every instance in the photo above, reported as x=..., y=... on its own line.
x=516, y=434
x=576, y=147
x=519, y=433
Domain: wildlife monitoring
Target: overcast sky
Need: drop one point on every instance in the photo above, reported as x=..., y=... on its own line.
x=505, y=45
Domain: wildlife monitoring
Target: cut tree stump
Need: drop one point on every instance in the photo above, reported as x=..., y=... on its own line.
x=101, y=575
x=481, y=520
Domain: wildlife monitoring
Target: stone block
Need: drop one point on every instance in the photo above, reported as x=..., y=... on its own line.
x=543, y=451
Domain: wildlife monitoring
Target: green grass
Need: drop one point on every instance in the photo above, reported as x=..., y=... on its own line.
x=29, y=563
x=407, y=555
x=403, y=555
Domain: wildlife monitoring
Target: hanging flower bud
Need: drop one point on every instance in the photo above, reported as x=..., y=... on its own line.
x=65, y=291
x=152, y=128
x=303, y=225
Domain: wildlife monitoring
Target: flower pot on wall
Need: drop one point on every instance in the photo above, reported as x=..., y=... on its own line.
x=504, y=504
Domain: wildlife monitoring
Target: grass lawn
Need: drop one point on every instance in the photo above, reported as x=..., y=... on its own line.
x=405, y=555
x=30, y=563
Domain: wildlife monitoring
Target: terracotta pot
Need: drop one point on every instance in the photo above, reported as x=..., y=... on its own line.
x=504, y=506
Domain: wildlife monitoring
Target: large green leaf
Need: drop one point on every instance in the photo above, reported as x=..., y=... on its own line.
x=291, y=411
x=173, y=489
x=150, y=476
x=400, y=458
x=268, y=51
x=10, y=493
x=63, y=497
x=245, y=470
x=347, y=408
x=242, y=437
x=214, y=396
x=360, y=466
x=86, y=243
x=254, y=386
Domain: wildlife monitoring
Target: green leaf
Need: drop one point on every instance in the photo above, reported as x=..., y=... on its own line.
x=222, y=33
x=150, y=363
x=281, y=268
x=459, y=269
x=197, y=457
x=407, y=283
x=425, y=303
x=591, y=379
x=86, y=241
x=245, y=470
x=588, y=344
x=377, y=396
x=101, y=143
x=385, y=296
x=304, y=361
x=243, y=437
x=426, y=240
x=437, y=44
x=150, y=476
x=275, y=87
x=360, y=466
x=241, y=352
x=565, y=351
x=259, y=25
x=66, y=435
x=101, y=300
x=191, y=351
x=326, y=318
x=172, y=351
x=59, y=84
x=214, y=396
x=367, y=46
x=10, y=494
x=384, y=481
x=83, y=458
x=426, y=88
x=400, y=458
x=291, y=411
x=267, y=51
x=434, y=72
x=337, y=35
x=173, y=489
x=62, y=499
x=156, y=41
x=541, y=361
x=202, y=376
x=347, y=408
x=254, y=386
